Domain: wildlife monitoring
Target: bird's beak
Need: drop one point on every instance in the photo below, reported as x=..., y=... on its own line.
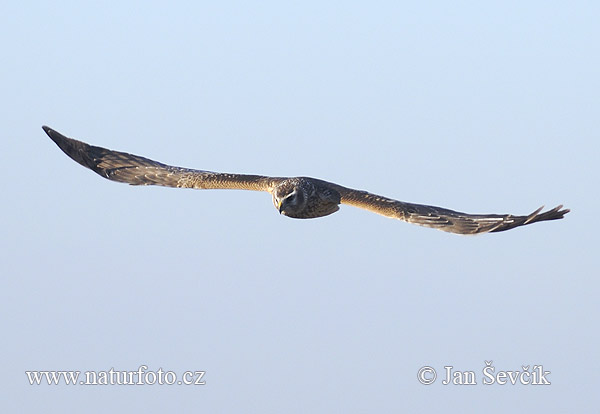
x=279, y=206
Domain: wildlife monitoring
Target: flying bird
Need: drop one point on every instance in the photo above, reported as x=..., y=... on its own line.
x=296, y=197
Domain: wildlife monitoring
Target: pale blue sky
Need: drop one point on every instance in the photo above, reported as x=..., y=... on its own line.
x=475, y=106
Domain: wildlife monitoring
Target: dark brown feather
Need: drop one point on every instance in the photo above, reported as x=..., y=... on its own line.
x=136, y=170
x=443, y=218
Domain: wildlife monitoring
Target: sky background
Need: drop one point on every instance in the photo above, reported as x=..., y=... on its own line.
x=475, y=106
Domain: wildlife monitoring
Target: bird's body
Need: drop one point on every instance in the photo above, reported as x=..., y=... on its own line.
x=296, y=197
x=305, y=197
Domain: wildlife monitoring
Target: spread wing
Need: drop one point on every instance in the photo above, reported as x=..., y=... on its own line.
x=442, y=218
x=136, y=170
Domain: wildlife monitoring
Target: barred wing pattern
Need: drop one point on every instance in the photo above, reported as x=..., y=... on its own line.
x=443, y=218
x=136, y=170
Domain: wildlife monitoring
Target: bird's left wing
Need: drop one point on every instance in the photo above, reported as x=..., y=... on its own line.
x=136, y=170
x=443, y=218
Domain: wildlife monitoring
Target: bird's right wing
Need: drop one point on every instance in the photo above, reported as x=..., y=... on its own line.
x=136, y=170
x=443, y=218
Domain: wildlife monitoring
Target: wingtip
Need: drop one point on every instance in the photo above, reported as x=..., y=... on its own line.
x=47, y=129
x=54, y=135
x=554, y=214
x=533, y=215
x=563, y=211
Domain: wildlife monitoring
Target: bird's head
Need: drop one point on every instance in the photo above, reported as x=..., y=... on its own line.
x=290, y=199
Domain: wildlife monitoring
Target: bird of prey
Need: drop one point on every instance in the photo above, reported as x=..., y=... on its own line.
x=296, y=197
